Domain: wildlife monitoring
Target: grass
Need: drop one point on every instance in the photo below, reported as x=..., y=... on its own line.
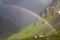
x=30, y=31
x=27, y=32
x=44, y=38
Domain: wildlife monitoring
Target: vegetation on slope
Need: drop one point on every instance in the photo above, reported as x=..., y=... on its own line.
x=29, y=32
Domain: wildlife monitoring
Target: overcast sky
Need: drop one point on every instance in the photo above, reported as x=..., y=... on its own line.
x=36, y=6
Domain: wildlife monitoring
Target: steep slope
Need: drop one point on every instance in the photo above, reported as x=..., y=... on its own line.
x=52, y=15
x=32, y=30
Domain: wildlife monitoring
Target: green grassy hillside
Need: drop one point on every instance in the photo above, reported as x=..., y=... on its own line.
x=31, y=31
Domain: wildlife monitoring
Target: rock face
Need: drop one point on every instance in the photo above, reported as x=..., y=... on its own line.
x=56, y=24
x=56, y=20
x=52, y=11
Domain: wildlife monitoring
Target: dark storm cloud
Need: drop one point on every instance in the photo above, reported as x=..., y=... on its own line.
x=36, y=6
